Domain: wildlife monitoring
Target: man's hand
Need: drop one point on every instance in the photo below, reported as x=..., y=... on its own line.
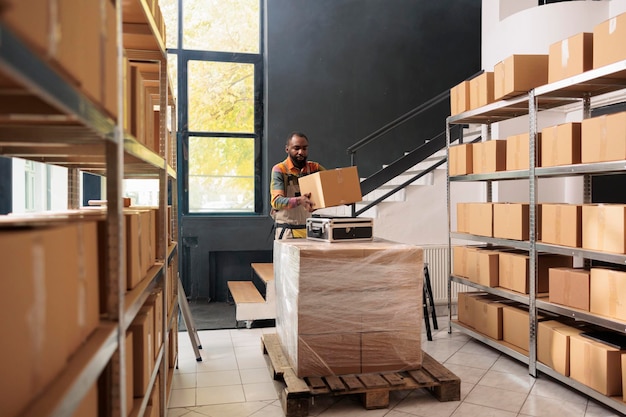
x=304, y=201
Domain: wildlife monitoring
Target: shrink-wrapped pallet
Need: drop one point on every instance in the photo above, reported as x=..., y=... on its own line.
x=349, y=307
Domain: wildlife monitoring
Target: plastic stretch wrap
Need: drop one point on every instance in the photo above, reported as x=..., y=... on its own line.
x=349, y=307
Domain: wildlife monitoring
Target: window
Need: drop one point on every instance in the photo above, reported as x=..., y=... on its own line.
x=219, y=65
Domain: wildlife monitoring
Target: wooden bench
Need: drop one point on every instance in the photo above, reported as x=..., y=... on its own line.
x=251, y=305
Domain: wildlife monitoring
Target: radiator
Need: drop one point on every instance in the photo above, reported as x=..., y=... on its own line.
x=436, y=257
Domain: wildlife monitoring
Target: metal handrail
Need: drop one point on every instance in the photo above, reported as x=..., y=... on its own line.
x=397, y=122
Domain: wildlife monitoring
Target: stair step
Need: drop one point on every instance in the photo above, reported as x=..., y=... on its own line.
x=265, y=271
x=245, y=292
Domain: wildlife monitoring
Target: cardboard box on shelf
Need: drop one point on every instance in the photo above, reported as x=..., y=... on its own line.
x=482, y=266
x=461, y=158
x=489, y=156
x=459, y=261
x=570, y=287
x=488, y=317
x=480, y=219
x=129, y=366
x=464, y=307
x=462, y=217
x=513, y=270
x=515, y=321
x=560, y=144
x=608, y=41
x=30, y=20
x=604, y=227
x=50, y=294
x=561, y=224
x=459, y=98
x=518, y=151
x=333, y=187
x=608, y=293
x=571, y=56
x=481, y=90
x=519, y=74
x=511, y=221
x=603, y=138
x=596, y=365
x=553, y=344
x=111, y=72
x=143, y=344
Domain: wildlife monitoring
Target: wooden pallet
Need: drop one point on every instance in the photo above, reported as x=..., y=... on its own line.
x=374, y=388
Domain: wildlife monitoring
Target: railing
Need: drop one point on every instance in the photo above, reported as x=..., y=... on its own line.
x=403, y=164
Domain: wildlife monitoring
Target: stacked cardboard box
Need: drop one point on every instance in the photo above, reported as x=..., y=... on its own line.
x=518, y=151
x=460, y=98
x=561, y=224
x=570, y=287
x=518, y=74
x=560, y=144
x=461, y=159
x=514, y=270
x=603, y=138
x=349, y=307
x=50, y=304
x=489, y=156
x=608, y=41
x=553, y=344
x=570, y=57
x=604, y=227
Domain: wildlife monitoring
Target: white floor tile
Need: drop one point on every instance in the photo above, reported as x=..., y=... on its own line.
x=183, y=397
x=180, y=381
x=226, y=363
x=511, y=382
x=217, y=378
x=244, y=409
x=474, y=410
x=220, y=395
x=260, y=391
x=254, y=375
x=496, y=398
x=548, y=407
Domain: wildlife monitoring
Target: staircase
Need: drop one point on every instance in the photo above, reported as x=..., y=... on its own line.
x=251, y=304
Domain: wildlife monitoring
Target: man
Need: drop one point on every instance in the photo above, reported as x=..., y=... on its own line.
x=290, y=209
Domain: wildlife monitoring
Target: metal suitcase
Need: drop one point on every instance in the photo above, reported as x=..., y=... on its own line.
x=340, y=229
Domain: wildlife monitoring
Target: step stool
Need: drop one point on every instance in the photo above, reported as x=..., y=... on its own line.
x=249, y=302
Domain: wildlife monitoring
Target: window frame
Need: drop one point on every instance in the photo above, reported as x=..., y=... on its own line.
x=183, y=57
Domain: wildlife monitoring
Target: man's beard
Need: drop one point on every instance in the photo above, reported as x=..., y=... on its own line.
x=298, y=163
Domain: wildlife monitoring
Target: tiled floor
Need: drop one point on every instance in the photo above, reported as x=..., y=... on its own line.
x=233, y=381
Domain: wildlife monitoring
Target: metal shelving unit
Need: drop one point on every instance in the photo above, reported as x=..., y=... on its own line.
x=578, y=91
x=70, y=130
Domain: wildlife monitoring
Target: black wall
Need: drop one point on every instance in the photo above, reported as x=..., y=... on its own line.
x=341, y=69
x=6, y=185
x=338, y=70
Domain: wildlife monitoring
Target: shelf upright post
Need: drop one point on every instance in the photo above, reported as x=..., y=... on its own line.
x=116, y=274
x=532, y=262
x=449, y=260
x=73, y=188
x=162, y=218
x=486, y=132
x=587, y=177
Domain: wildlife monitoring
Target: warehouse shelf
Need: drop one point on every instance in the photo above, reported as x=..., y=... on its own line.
x=135, y=298
x=500, y=345
x=45, y=117
x=586, y=316
x=58, y=101
x=608, y=85
x=615, y=258
x=500, y=175
x=140, y=404
x=78, y=376
x=600, y=168
x=140, y=29
x=515, y=244
x=615, y=403
x=504, y=293
x=591, y=83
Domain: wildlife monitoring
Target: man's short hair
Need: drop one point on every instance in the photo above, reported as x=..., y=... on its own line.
x=296, y=133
